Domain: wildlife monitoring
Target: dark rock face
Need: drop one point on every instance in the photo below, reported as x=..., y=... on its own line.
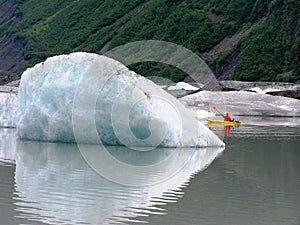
x=12, y=62
x=228, y=68
x=212, y=86
x=241, y=85
x=287, y=93
x=6, y=77
x=284, y=89
x=14, y=83
x=5, y=10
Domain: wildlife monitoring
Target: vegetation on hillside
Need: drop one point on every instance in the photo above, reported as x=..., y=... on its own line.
x=269, y=53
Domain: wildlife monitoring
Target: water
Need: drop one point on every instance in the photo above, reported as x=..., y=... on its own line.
x=255, y=180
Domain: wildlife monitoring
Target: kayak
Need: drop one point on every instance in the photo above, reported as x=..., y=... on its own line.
x=223, y=123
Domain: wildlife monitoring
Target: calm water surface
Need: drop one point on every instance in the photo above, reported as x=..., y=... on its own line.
x=255, y=180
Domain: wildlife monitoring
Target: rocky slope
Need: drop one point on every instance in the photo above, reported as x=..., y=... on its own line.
x=243, y=40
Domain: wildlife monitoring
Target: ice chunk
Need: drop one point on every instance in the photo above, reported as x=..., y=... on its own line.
x=203, y=114
x=84, y=98
x=184, y=86
x=257, y=90
x=8, y=108
x=261, y=91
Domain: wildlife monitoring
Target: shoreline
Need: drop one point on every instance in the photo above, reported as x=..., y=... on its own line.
x=238, y=98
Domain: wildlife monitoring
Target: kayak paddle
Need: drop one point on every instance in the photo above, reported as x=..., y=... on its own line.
x=216, y=109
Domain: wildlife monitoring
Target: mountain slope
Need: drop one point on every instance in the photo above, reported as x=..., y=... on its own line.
x=268, y=50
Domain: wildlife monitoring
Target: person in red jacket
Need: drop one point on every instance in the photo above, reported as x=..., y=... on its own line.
x=227, y=117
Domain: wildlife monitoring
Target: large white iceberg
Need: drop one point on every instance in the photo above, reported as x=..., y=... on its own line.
x=89, y=98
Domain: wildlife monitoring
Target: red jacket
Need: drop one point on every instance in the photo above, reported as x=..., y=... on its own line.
x=227, y=117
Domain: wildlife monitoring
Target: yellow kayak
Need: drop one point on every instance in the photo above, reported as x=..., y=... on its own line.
x=223, y=123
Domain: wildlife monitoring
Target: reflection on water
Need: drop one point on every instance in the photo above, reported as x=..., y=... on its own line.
x=263, y=127
x=7, y=145
x=53, y=184
x=255, y=181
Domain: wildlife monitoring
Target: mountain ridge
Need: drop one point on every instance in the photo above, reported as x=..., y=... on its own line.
x=31, y=31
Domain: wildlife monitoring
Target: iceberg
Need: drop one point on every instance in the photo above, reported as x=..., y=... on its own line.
x=8, y=109
x=90, y=98
x=184, y=86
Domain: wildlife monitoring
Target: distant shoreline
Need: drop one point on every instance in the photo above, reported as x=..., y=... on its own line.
x=290, y=90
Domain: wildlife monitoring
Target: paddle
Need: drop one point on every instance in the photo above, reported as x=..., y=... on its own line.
x=216, y=109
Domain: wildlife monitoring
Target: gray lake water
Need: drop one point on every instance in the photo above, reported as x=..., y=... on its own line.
x=254, y=180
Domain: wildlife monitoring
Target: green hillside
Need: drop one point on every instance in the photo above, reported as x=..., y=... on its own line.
x=268, y=50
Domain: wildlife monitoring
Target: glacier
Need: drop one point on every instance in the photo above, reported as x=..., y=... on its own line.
x=245, y=103
x=90, y=98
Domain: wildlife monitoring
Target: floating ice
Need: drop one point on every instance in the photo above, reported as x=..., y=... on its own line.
x=261, y=91
x=85, y=98
x=203, y=114
x=245, y=103
x=184, y=86
x=8, y=107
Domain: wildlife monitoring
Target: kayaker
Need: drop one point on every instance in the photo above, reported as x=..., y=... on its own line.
x=227, y=117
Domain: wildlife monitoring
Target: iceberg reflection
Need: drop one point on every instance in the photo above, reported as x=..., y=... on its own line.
x=55, y=185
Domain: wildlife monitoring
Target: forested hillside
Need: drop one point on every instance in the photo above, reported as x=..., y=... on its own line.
x=254, y=40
